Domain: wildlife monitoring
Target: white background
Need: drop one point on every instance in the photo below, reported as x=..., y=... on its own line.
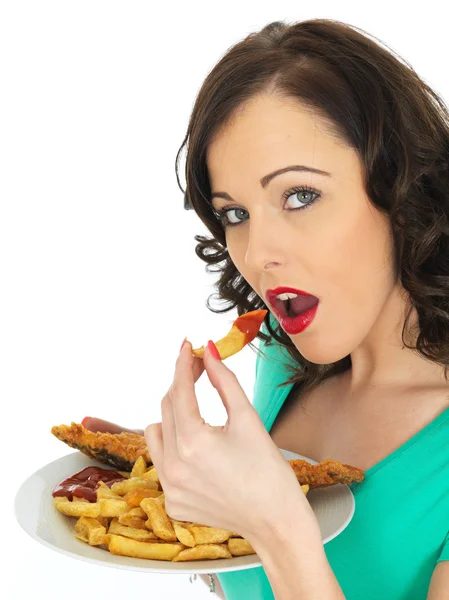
x=99, y=279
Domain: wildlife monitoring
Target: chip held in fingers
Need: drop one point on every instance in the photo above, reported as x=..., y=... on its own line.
x=243, y=331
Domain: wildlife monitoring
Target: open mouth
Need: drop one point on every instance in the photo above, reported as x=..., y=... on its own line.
x=295, y=306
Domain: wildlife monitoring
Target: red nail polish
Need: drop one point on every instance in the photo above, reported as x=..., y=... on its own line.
x=83, y=422
x=213, y=349
x=182, y=345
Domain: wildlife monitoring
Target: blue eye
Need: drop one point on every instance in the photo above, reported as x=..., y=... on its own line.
x=222, y=214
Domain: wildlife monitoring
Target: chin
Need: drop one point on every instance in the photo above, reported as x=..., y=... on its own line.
x=320, y=354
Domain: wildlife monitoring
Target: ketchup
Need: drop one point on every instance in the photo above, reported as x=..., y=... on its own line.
x=250, y=323
x=84, y=483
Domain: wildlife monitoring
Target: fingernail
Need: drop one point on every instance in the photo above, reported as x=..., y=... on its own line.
x=182, y=345
x=213, y=349
x=83, y=422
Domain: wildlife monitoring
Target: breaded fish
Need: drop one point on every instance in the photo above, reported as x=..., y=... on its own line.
x=120, y=450
x=327, y=472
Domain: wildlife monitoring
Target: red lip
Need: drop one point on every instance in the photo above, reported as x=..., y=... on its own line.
x=271, y=294
x=292, y=325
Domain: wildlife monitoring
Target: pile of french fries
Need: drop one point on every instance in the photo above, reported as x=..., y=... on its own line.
x=129, y=519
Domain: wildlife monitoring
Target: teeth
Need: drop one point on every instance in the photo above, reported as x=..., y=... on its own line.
x=286, y=296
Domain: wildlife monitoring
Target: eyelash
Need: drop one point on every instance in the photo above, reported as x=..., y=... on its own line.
x=221, y=214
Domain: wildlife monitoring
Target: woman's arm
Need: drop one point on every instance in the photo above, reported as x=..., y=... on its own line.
x=294, y=560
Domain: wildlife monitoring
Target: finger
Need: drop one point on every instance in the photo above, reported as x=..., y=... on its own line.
x=169, y=433
x=168, y=427
x=102, y=426
x=184, y=404
x=155, y=443
x=226, y=383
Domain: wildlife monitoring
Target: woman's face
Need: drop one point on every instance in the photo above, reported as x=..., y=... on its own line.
x=339, y=248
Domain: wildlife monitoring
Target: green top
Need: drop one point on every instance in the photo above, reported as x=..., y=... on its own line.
x=399, y=531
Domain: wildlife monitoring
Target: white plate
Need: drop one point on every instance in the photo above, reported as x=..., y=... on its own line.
x=333, y=506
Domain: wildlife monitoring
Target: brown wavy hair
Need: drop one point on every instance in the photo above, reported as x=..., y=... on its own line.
x=376, y=104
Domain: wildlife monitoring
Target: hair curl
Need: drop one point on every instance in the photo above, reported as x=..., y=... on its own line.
x=375, y=103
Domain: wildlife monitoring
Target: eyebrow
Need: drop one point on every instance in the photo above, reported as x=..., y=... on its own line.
x=267, y=178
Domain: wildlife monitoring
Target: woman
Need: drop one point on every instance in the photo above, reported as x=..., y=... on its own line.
x=361, y=222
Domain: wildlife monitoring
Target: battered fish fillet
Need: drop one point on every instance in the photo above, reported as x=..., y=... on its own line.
x=120, y=450
x=327, y=472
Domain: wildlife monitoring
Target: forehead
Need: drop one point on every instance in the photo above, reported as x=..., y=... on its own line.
x=266, y=134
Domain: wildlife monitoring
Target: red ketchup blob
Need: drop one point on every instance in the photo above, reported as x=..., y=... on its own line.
x=250, y=323
x=84, y=483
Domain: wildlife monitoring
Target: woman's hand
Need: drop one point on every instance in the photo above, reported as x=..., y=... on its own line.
x=232, y=477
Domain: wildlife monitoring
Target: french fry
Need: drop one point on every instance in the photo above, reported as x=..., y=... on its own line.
x=202, y=551
x=132, y=521
x=137, y=512
x=240, y=547
x=131, y=532
x=122, y=487
x=104, y=491
x=90, y=530
x=82, y=537
x=59, y=499
x=153, y=551
x=243, y=330
x=158, y=519
x=183, y=534
x=139, y=468
x=151, y=473
x=111, y=507
x=135, y=496
x=77, y=509
x=208, y=535
x=103, y=521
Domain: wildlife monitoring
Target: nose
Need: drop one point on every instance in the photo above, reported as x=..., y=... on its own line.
x=266, y=246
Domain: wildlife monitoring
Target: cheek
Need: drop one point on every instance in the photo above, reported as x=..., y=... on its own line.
x=364, y=256
x=353, y=271
x=350, y=253
x=237, y=246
